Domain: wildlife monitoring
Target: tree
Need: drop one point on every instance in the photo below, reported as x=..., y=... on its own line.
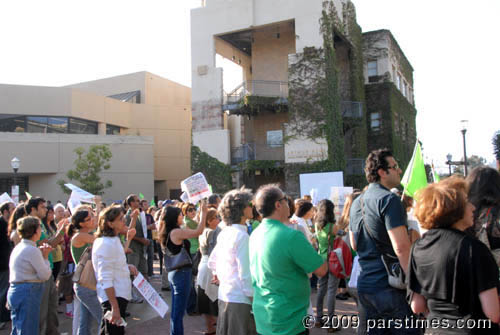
x=472, y=162
x=496, y=146
x=217, y=173
x=88, y=166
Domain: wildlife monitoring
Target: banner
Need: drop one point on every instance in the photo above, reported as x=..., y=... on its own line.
x=196, y=188
x=151, y=296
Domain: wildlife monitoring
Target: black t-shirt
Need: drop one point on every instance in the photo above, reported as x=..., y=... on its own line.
x=450, y=268
x=382, y=212
x=5, y=245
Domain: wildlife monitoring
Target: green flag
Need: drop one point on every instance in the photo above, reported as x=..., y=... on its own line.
x=210, y=188
x=415, y=177
x=152, y=203
x=29, y=196
x=141, y=196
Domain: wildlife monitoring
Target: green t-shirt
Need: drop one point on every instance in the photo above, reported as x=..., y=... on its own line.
x=322, y=235
x=191, y=224
x=43, y=237
x=280, y=259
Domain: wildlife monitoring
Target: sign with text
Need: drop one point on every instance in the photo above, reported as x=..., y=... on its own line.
x=82, y=194
x=150, y=294
x=338, y=196
x=196, y=187
x=15, y=194
x=5, y=197
x=320, y=184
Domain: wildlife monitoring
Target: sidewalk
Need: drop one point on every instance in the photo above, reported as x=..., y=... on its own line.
x=144, y=320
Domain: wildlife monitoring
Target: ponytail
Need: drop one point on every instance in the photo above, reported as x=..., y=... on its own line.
x=78, y=217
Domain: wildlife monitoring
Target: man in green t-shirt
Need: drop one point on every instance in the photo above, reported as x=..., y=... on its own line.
x=280, y=260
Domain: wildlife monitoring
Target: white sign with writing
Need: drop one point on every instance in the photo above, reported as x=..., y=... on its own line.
x=338, y=196
x=82, y=194
x=196, y=187
x=151, y=296
x=320, y=183
x=5, y=197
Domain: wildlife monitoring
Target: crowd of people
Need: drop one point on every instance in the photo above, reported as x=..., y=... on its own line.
x=247, y=263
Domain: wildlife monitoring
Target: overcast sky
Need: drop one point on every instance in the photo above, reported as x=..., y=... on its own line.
x=451, y=44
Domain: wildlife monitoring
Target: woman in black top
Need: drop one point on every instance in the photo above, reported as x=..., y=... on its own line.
x=173, y=238
x=452, y=277
x=484, y=194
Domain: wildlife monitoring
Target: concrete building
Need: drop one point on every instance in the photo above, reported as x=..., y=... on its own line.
x=249, y=122
x=389, y=93
x=145, y=119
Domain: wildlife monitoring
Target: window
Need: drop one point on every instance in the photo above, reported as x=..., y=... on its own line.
x=37, y=124
x=405, y=87
x=58, y=125
x=372, y=68
x=12, y=123
x=112, y=130
x=79, y=126
x=375, y=121
x=398, y=81
x=275, y=138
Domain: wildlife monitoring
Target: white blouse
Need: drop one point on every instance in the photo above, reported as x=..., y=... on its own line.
x=111, y=268
x=230, y=261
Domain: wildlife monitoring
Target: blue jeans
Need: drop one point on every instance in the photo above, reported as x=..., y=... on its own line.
x=378, y=308
x=180, y=284
x=24, y=300
x=89, y=307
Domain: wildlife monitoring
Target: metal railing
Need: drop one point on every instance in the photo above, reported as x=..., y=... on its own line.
x=263, y=88
x=243, y=153
x=257, y=151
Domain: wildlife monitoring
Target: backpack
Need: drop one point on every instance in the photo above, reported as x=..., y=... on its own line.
x=340, y=259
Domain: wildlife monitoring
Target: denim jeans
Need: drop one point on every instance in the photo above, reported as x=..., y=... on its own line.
x=24, y=300
x=89, y=307
x=180, y=284
x=375, y=308
x=327, y=286
x=49, y=322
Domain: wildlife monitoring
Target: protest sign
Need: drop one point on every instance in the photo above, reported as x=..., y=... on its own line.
x=151, y=296
x=73, y=202
x=184, y=197
x=81, y=194
x=196, y=187
x=5, y=197
x=338, y=196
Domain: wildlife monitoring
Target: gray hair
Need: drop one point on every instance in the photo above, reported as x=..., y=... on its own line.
x=233, y=204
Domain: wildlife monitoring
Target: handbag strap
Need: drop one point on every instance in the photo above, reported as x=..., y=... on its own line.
x=168, y=252
x=379, y=245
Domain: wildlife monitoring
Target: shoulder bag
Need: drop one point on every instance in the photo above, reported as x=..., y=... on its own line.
x=84, y=273
x=180, y=260
x=395, y=273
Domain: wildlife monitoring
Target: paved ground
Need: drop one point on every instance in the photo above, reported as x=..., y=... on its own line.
x=144, y=320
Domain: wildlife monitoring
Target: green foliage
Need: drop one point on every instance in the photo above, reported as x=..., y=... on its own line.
x=496, y=145
x=88, y=166
x=217, y=173
x=472, y=162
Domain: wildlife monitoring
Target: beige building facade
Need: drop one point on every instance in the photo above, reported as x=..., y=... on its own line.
x=144, y=118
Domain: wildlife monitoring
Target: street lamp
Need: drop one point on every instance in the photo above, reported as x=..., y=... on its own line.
x=448, y=157
x=464, y=130
x=15, y=163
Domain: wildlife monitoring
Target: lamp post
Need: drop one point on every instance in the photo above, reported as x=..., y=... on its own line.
x=448, y=157
x=15, y=163
x=464, y=130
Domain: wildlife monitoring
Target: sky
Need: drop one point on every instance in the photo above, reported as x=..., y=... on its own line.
x=451, y=44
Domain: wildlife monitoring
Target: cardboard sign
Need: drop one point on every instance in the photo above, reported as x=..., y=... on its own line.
x=338, y=196
x=196, y=187
x=151, y=296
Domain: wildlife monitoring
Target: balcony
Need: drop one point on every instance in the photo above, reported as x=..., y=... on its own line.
x=252, y=96
x=257, y=151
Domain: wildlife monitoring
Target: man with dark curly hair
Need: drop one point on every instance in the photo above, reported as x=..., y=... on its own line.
x=377, y=224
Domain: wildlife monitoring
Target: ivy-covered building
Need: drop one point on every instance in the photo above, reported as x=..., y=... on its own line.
x=301, y=105
x=390, y=101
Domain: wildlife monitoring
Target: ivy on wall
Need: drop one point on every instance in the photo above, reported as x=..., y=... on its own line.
x=217, y=173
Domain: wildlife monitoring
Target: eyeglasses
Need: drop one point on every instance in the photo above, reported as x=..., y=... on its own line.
x=190, y=209
x=284, y=198
x=394, y=167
